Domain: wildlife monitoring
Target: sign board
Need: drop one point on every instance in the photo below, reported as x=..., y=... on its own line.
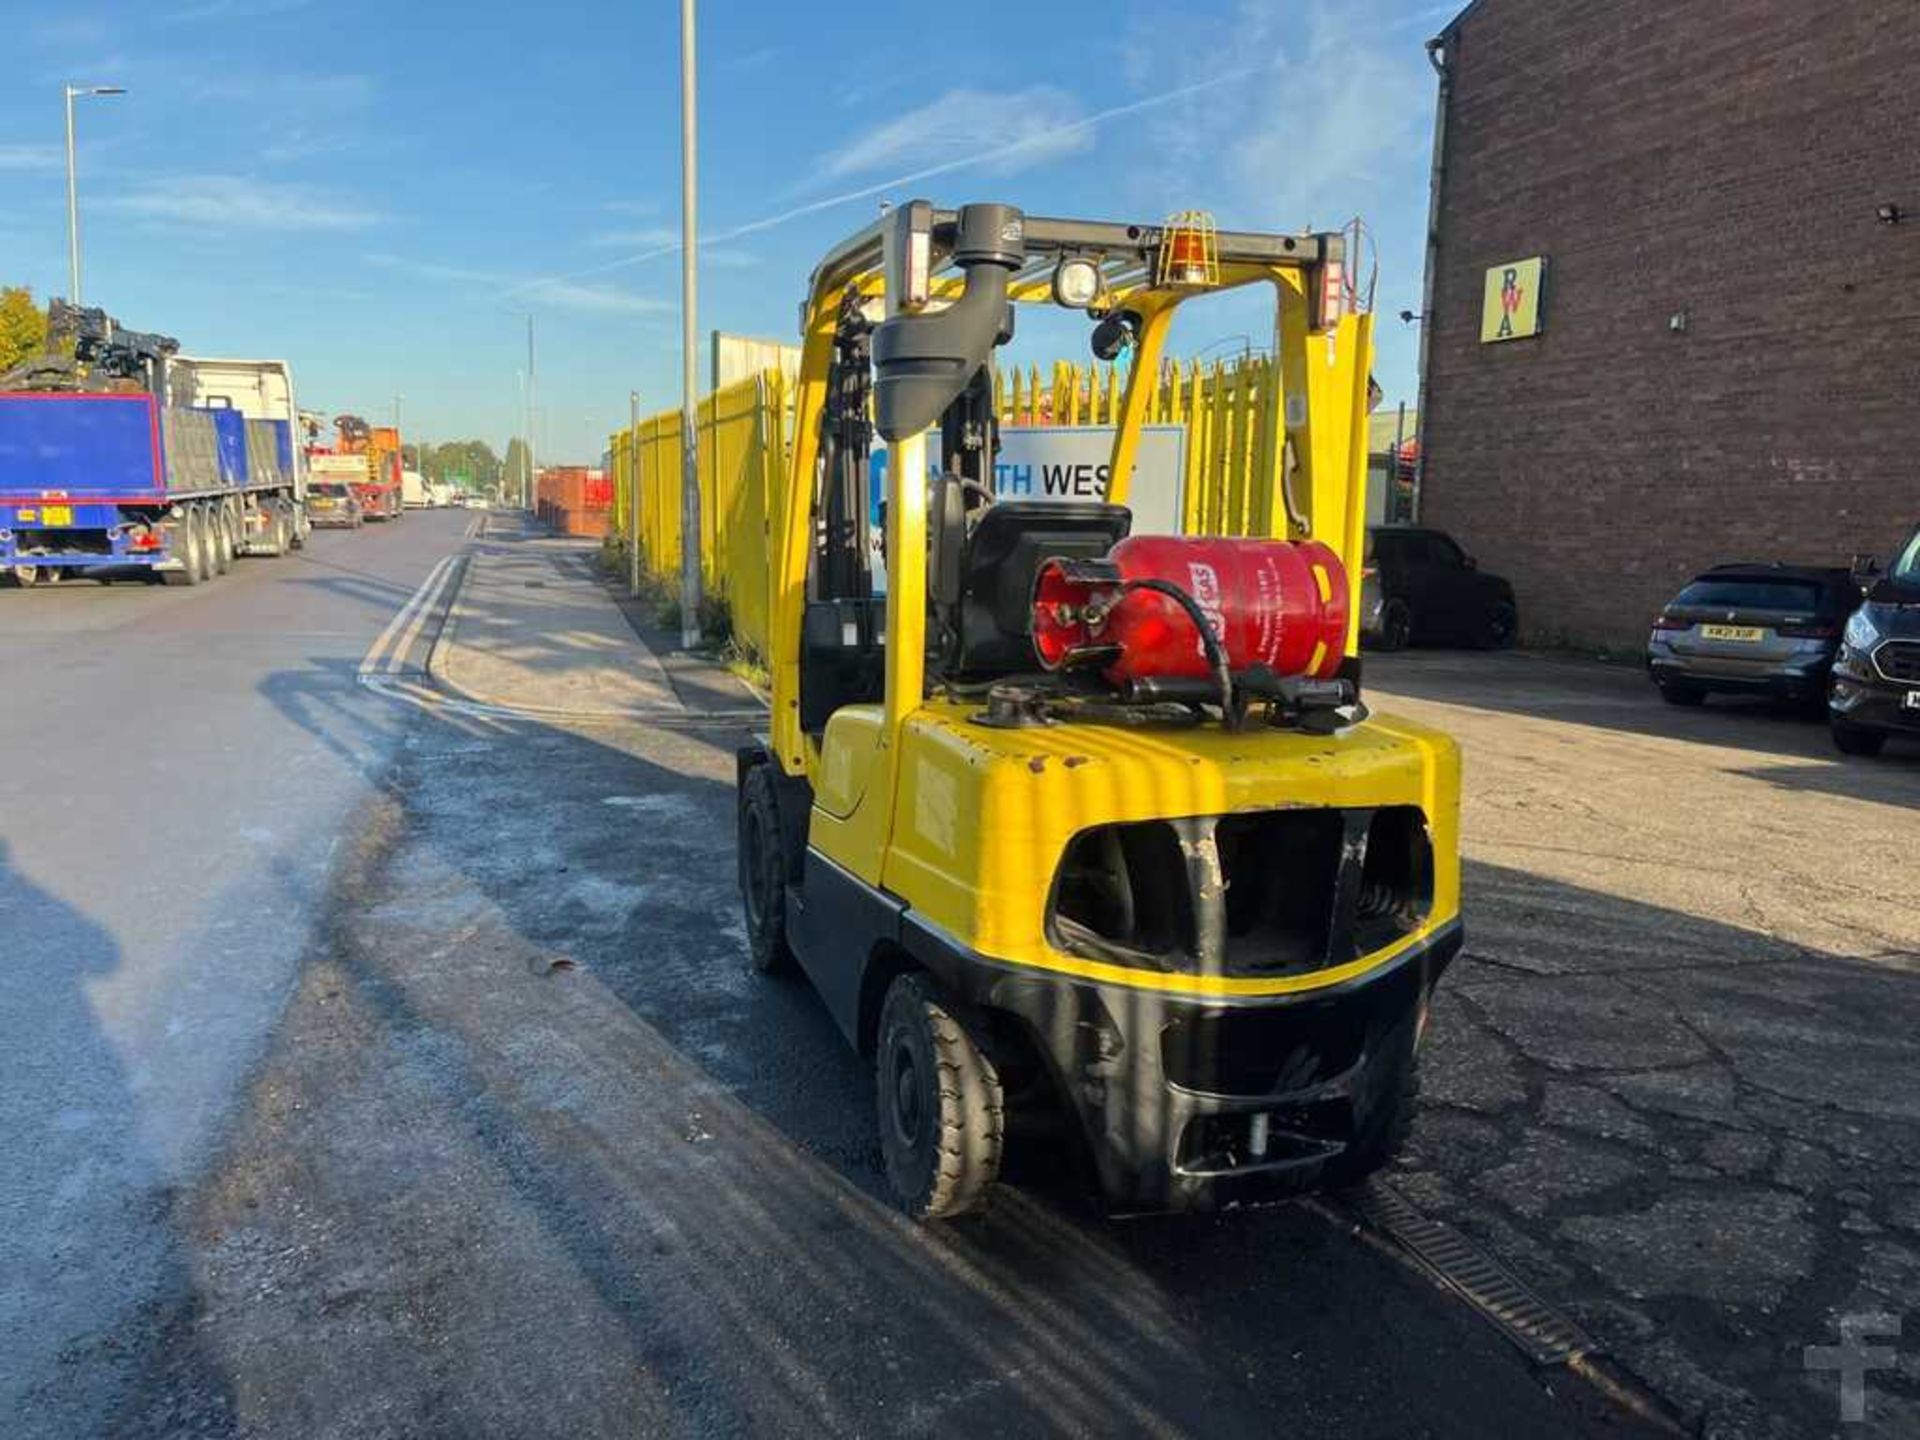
x=1069, y=462
x=1513, y=305
x=1066, y=464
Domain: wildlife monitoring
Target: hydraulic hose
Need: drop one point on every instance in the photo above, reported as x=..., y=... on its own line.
x=1210, y=642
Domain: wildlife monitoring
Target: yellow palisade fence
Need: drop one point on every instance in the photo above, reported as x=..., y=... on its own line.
x=742, y=450
x=1227, y=407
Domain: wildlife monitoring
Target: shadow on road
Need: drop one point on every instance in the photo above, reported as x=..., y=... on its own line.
x=96, y=1285
x=535, y=1150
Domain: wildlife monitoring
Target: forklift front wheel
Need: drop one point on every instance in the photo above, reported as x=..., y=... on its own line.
x=763, y=874
x=942, y=1115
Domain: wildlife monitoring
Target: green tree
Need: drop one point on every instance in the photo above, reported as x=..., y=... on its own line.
x=23, y=326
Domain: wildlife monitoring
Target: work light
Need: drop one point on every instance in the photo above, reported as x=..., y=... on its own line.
x=1076, y=282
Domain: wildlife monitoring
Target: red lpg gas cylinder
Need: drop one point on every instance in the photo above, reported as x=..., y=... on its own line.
x=1277, y=603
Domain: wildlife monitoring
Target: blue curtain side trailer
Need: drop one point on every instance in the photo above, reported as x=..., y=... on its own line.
x=176, y=482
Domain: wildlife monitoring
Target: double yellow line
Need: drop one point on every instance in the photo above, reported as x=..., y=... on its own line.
x=388, y=653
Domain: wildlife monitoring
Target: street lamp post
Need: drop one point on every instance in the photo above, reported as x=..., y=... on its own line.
x=531, y=471
x=73, y=188
x=633, y=493
x=689, y=402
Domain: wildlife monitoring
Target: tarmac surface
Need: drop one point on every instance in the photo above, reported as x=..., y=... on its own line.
x=495, y=1132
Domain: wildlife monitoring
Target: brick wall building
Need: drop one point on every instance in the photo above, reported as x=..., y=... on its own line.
x=1730, y=362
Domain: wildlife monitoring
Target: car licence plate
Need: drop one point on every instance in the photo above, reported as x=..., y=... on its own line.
x=1911, y=701
x=56, y=515
x=1747, y=634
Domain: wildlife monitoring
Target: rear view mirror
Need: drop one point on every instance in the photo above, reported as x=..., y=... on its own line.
x=1865, y=570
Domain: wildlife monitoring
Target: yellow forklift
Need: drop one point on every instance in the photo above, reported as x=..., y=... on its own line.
x=1063, y=820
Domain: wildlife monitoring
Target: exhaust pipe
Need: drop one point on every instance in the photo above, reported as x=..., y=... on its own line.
x=922, y=363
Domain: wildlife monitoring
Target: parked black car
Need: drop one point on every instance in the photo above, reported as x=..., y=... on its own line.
x=1876, y=677
x=1754, y=629
x=1420, y=587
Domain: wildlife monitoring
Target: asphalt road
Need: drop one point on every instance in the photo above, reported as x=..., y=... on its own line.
x=1670, y=1081
x=181, y=767
x=441, y=1101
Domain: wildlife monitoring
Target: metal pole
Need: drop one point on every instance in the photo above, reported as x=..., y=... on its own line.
x=532, y=469
x=633, y=493
x=73, y=185
x=689, y=401
x=73, y=210
x=1391, y=510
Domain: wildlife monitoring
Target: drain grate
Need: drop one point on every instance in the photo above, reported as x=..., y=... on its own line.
x=1545, y=1335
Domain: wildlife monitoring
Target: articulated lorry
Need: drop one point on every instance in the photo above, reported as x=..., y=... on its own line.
x=144, y=458
x=376, y=448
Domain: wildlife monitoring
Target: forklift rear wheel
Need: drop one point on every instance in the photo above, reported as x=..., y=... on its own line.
x=942, y=1115
x=1384, y=1133
x=763, y=875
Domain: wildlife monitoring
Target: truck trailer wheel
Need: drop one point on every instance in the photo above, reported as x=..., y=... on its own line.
x=187, y=541
x=942, y=1115
x=219, y=541
x=763, y=874
x=26, y=576
x=201, y=519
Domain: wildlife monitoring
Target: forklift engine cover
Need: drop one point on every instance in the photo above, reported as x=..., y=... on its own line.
x=1273, y=603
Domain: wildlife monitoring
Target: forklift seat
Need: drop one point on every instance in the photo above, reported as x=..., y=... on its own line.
x=991, y=632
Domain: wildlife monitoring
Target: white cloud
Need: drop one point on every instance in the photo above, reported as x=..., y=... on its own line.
x=662, y=237
x=70, y=30
x=604, y=299
x=30, y=157
x=557, y=293
x=234, y=202
x=234, y=10
x=1318, y=130
x=1002, y=131
x=315, y=95
x=647, y=237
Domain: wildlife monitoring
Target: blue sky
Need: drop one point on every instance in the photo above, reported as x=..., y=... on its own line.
x=381, y=193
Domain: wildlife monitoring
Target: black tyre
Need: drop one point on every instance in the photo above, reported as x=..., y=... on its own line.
x=1676, y=693
x=1396, y=626
x=1851, y=739
x=942, y=1115
x=1384, y=1131
x=203, y=529
x=188, y=543
x=219, y=540
x=763, y=874
x=51, y=574
x=1503, y=627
